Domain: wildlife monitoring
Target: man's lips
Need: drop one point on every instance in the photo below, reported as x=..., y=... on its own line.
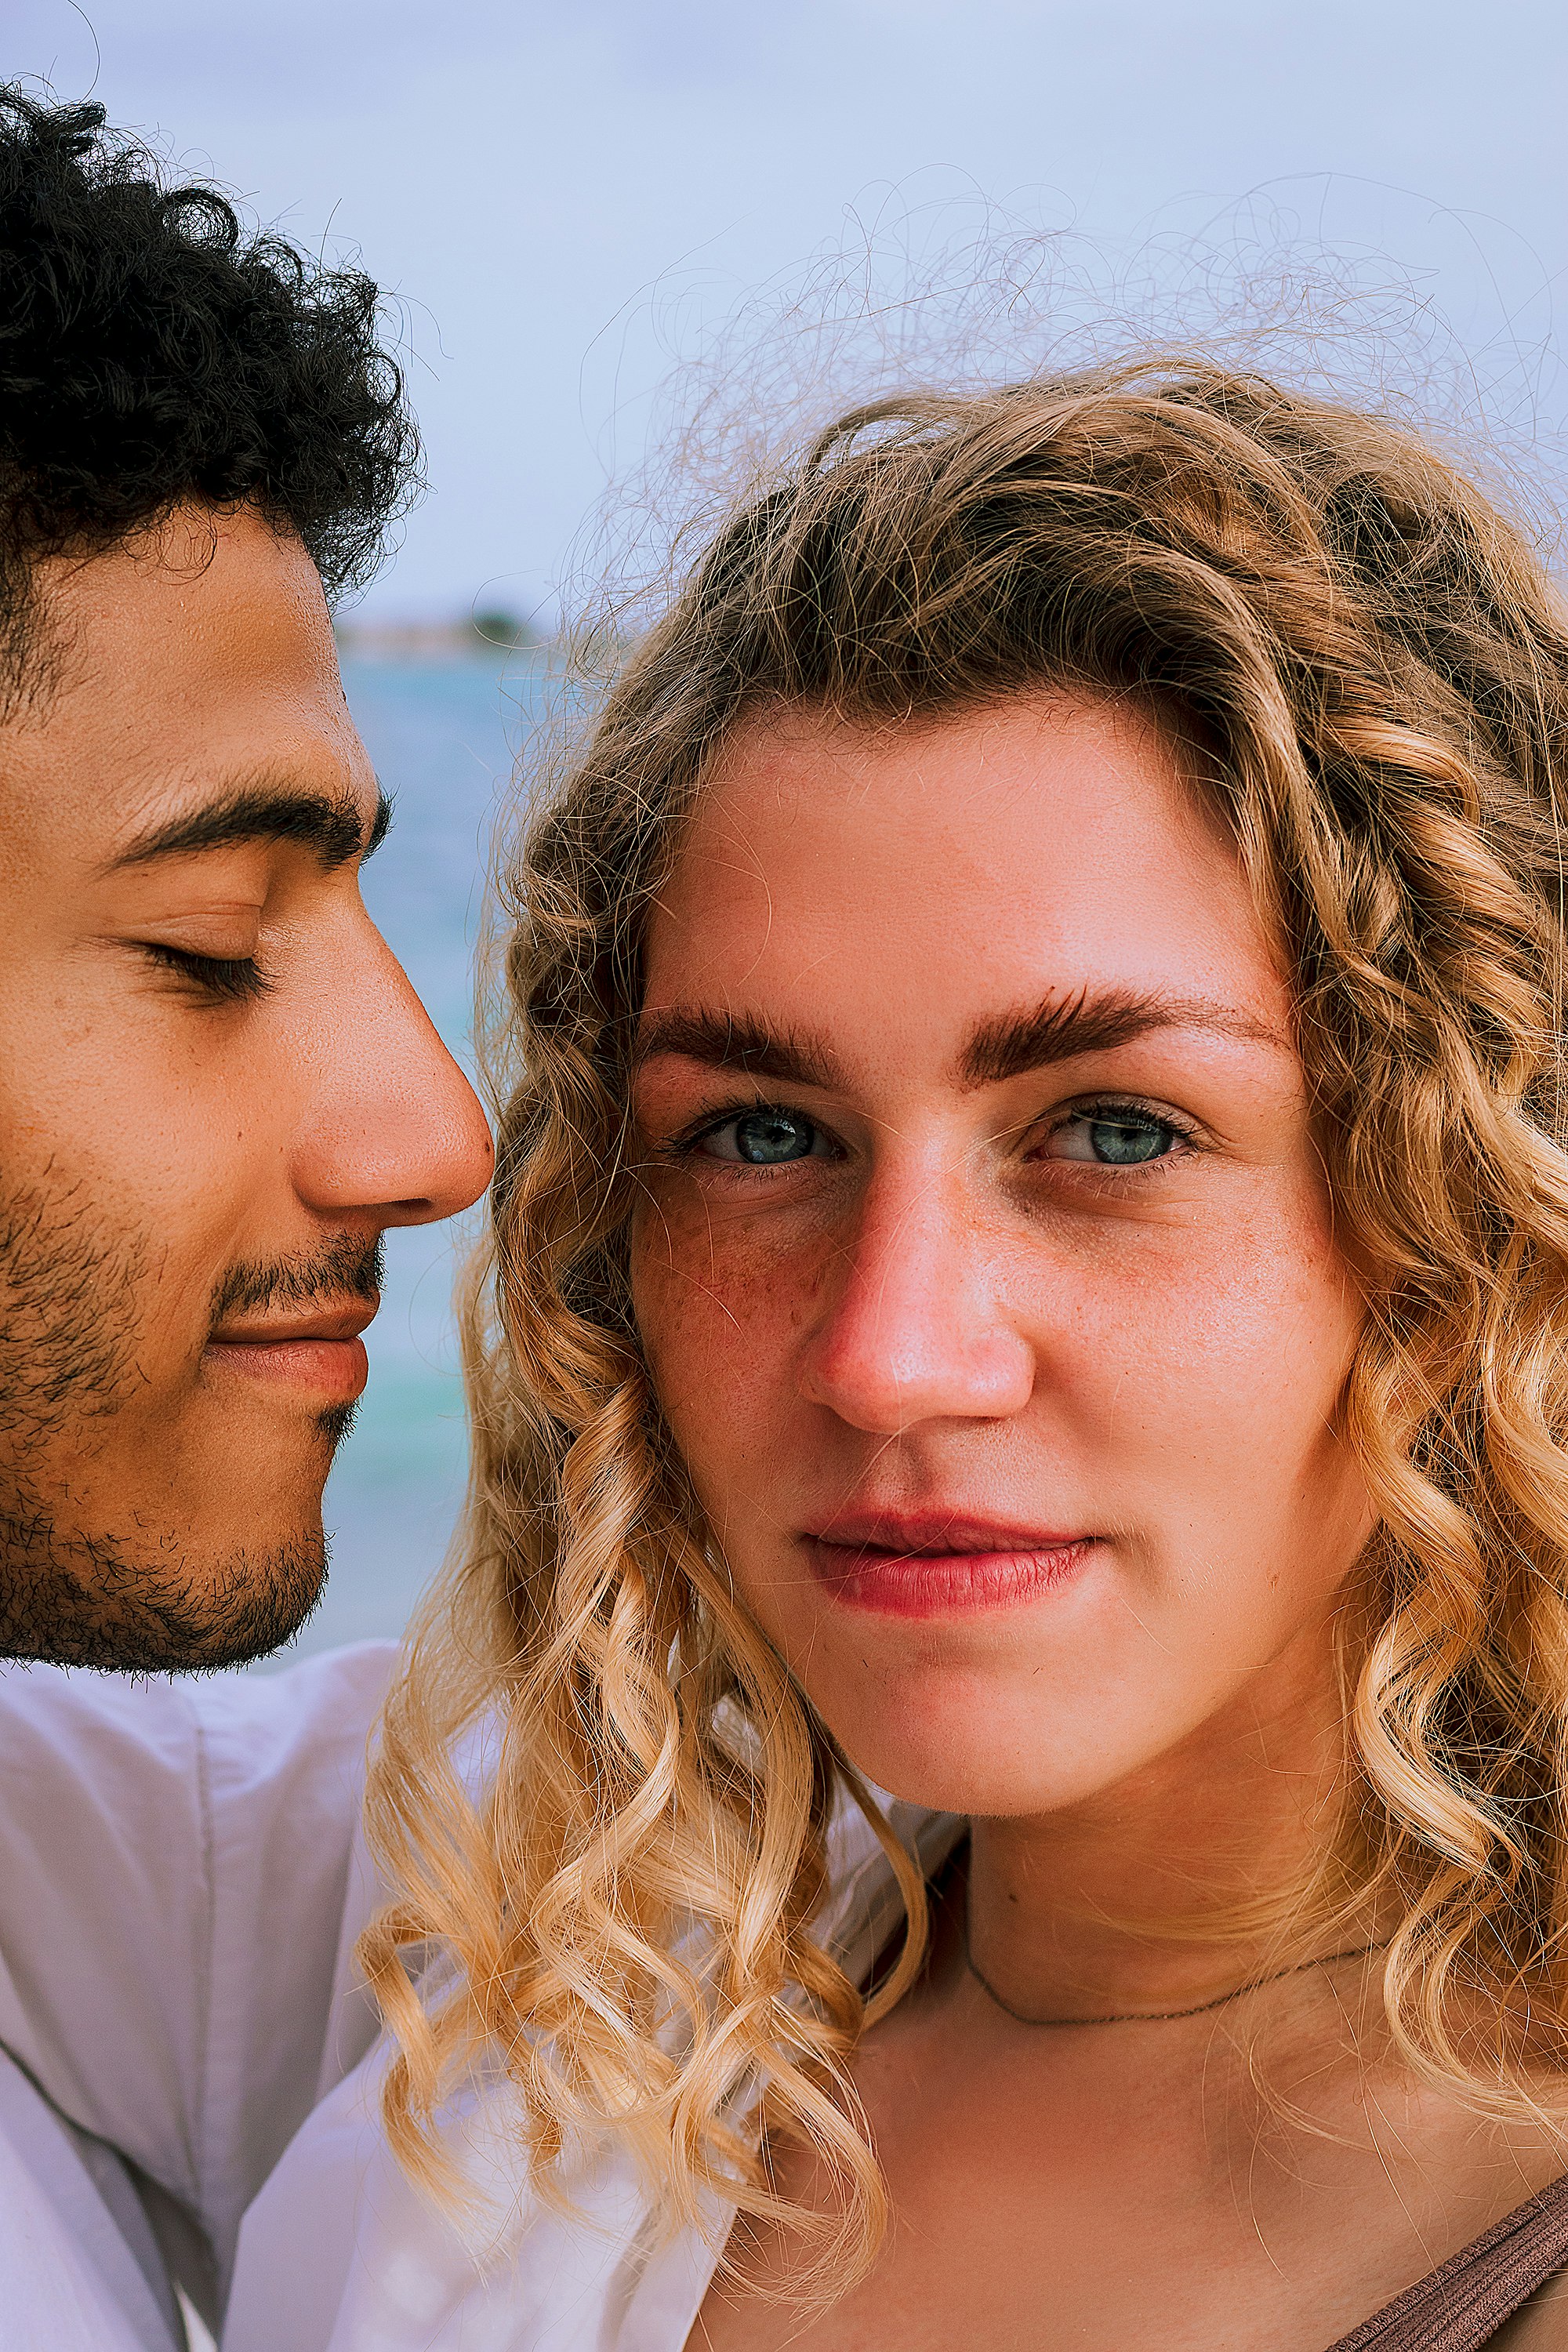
x=320, y=1351
x=932, y=1563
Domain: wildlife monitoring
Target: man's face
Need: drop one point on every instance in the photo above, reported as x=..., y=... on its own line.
x=217, y=1090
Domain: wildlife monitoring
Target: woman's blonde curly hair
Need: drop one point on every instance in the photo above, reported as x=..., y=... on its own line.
x=1375, y=668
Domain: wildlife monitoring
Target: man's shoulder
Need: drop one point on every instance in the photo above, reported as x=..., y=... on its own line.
x=346, y=1686
x=351, y=1676
x=125, y=1731
x=309, y=1723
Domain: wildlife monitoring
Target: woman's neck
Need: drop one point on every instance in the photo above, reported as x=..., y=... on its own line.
x=1162, y=1891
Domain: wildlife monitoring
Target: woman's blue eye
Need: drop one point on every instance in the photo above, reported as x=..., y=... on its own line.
x=763, y=1139
x=1112, y=1139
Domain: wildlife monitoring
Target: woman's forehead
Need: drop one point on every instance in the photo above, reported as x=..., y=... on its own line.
x=986, y=860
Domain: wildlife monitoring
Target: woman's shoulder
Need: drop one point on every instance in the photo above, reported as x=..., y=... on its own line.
x=1541, y=2325
x=343, y=2245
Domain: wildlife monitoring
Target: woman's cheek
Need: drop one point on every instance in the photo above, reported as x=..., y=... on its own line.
x=720, y=1298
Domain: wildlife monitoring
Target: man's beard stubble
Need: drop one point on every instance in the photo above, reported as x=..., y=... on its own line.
x=125, y=1597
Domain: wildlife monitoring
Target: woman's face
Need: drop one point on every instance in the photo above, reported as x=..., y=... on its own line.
x=984, y=1261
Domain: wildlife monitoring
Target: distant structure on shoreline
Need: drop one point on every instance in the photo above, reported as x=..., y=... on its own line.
x=478, y=636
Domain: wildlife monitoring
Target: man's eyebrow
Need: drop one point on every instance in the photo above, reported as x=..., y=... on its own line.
x=331, y=825
x=380, y=825
x=1064, y=1027
x=728, y=1041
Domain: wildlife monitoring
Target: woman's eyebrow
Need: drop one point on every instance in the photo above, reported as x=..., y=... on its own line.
x=728, y=1041
x=1007, y=1045
x=1061, y=1028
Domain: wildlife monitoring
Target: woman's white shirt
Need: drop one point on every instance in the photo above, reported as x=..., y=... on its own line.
x=182, y=1877
x=339, y=2253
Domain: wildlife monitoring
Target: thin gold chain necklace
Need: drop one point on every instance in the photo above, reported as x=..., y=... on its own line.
x=1161, y=2016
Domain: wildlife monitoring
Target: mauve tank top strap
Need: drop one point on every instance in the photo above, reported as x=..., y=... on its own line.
x=1459, y=2306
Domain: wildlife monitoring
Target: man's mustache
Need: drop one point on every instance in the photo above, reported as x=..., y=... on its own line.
x=348, y=1266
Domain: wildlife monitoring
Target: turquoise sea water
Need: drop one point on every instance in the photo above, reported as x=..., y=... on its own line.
x=444, y=736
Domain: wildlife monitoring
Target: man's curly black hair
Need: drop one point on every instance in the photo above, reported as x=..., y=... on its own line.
x=152, y=351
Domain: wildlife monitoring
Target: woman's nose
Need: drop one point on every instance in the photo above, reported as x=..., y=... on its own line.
x=916, y=1328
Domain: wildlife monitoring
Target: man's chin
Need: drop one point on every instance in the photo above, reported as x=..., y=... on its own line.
x=78, y=1599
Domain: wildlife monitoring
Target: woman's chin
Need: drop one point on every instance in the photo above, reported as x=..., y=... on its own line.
x=987, y=1755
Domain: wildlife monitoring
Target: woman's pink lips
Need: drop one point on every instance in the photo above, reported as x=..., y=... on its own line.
x=918, y=1575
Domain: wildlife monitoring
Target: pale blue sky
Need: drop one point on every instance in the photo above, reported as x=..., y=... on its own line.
x=537, y=181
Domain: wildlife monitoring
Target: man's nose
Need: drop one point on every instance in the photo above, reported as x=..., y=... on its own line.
x=393, y=1126
x=916, y=1327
